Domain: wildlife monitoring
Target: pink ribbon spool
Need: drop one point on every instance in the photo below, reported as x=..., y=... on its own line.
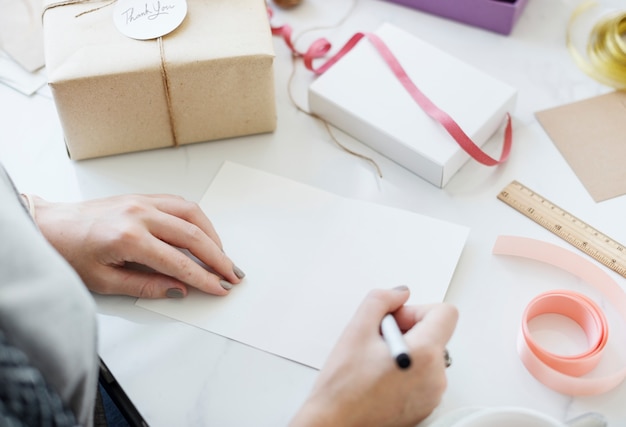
x=580, y=309
x=562, y=373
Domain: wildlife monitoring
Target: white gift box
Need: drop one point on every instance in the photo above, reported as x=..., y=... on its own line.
x=361, y=96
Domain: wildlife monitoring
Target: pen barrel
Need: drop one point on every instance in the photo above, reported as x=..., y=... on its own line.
x=395, y=341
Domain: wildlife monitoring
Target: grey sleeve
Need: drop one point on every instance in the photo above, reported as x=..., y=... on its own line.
x=45, y=309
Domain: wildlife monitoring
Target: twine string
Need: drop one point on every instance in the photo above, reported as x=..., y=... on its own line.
x=50, y=6
x=166, y=86
x=96, y=8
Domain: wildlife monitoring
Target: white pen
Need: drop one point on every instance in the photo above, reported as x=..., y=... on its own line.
x=394, y=339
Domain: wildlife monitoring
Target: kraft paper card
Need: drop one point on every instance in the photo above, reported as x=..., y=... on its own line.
x=590, y=136
x=310, y=258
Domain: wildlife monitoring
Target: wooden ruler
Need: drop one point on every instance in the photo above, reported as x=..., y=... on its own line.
x=565, y=225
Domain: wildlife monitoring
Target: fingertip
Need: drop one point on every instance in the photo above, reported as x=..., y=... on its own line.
x=238, y=272
x=175, y=293
x=229, y=270
x=401, y=288
x=215, y=283
x=166, y=287
x=401, y=295
x=452, y=309
x=226, y=285
x=234, y=274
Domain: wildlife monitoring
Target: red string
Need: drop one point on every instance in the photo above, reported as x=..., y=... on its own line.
x=320, y=47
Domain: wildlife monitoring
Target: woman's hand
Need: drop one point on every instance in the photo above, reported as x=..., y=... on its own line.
x=134, y=245
x=361, y=385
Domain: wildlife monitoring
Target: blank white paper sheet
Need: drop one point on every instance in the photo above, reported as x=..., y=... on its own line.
x=310, y=257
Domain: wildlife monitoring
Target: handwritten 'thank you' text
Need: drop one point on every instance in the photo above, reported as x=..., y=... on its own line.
x=149, y=11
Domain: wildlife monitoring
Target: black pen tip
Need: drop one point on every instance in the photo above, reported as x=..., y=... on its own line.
x=403, y=360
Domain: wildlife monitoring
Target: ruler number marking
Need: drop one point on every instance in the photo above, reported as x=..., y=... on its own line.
x=566, y=226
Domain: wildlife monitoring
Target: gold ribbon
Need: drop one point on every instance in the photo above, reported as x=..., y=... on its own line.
x=605, y=58
x=164, y=78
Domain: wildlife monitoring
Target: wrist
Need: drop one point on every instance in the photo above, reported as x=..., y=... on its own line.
x=316, y=414
x=309, y=417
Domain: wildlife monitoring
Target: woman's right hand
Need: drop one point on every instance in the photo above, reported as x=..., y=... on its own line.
x=361, y=385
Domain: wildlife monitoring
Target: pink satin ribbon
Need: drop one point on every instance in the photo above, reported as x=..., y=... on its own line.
x=321, y=47
x=580, y=309
x=565, y=373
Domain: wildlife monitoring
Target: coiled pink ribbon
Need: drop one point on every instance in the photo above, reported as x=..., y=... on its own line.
x=583, y=311
x=321, y=47
x=565, y=373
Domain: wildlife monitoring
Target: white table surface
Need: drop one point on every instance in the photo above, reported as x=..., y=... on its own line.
x=180, y=375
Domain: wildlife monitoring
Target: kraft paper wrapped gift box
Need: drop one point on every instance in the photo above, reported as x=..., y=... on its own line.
x=361, y=96
x=499, y=16
x=110, y=90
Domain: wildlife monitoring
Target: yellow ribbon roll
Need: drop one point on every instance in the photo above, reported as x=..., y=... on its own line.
x=605, y=57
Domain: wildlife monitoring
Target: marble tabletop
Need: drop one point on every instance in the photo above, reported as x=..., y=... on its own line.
x=178, y=375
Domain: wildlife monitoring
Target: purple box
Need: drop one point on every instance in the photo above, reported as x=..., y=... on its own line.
x=495, y=15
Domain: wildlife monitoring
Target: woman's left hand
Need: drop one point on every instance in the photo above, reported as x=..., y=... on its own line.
x=131, y=245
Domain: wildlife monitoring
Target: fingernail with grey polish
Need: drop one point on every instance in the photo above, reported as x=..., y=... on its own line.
x=226, y=285
x=174, y=293
x=401, y=288
x=238, y=272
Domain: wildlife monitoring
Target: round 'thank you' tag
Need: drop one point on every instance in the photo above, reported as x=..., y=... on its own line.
x=148, y=19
